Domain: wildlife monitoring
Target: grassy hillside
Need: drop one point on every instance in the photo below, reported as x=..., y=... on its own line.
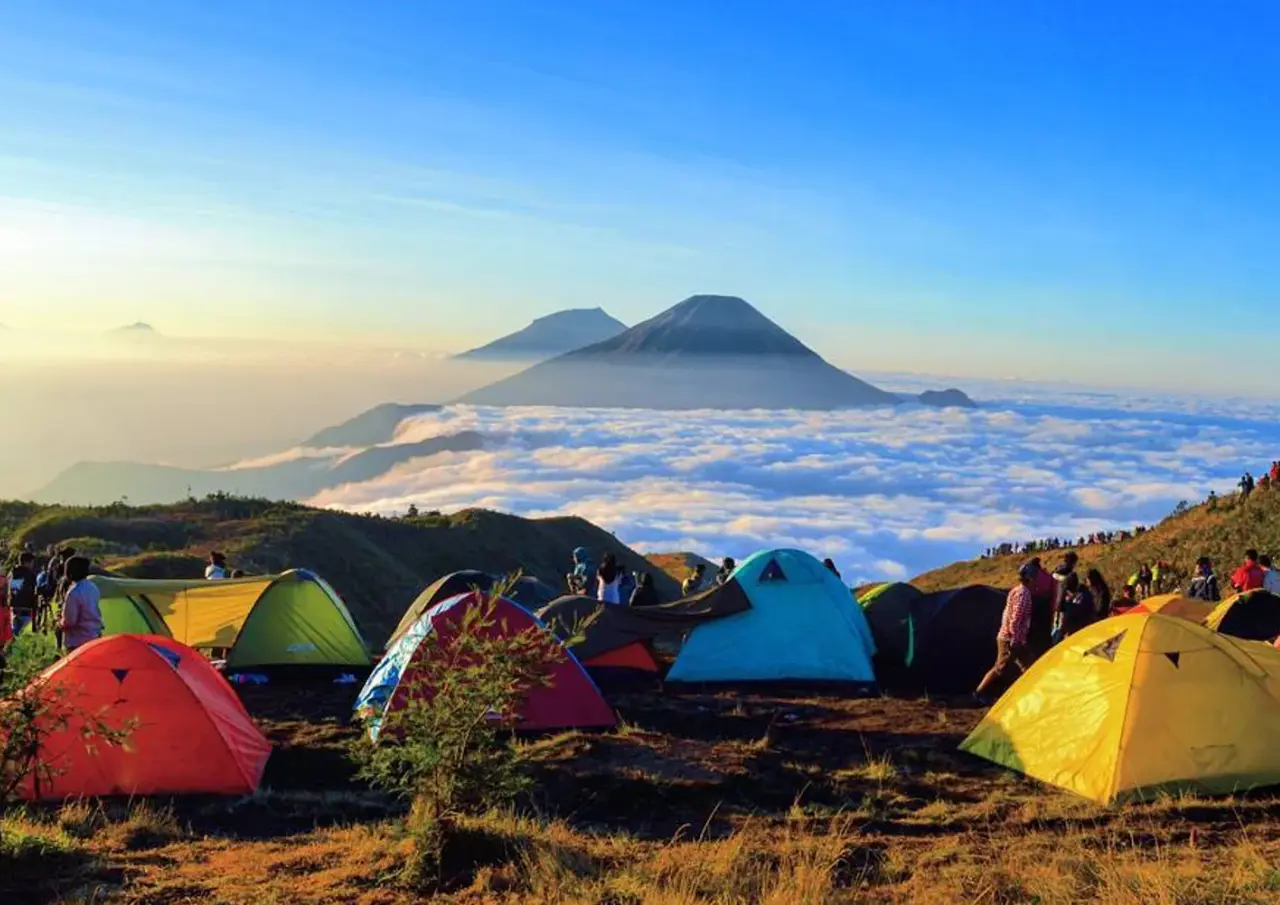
x=680, y=565
x=1222, y=533
x=378, y=565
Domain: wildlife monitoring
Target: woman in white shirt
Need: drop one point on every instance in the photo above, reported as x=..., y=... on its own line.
x=609, y=580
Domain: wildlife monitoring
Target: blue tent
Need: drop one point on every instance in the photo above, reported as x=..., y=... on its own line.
x=803, y=624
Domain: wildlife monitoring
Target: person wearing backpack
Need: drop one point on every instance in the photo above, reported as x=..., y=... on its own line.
x=22, y=597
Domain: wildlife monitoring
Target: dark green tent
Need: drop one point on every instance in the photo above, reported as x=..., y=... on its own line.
x=942, y=642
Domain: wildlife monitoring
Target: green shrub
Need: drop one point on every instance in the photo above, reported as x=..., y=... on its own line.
x=449, y=751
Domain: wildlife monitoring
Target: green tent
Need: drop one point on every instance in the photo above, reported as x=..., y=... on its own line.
x=292, y=619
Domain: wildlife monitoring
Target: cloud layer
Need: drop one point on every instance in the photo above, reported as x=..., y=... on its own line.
x=887, y=494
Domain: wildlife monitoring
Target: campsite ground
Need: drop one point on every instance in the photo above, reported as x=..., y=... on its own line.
x=696, y=798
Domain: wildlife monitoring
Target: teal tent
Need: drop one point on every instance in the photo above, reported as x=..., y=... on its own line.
x=803, y=624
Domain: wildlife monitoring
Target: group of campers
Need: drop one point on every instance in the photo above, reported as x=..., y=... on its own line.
x=612, y=583
x=1044, y=608
x=52, y=593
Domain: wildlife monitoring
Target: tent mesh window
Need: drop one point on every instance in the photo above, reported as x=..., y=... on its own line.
x=1107, y=649
x=773, y=572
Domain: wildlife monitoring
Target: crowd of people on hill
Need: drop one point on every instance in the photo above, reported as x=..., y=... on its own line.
x=51, y=592
x=1050, y=544
x=611, y=583
x=1045, y=608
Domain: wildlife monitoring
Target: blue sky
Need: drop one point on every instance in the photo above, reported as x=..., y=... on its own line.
x=1003, y=188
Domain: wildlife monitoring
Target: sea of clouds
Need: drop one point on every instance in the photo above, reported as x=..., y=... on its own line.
x=887, y=494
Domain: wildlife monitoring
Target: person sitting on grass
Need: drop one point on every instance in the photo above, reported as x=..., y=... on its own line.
x=81, y=616
x=693, y=584
x=1204, y=584
x=1011, y=640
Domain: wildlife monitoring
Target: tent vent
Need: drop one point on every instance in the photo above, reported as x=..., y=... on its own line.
x=1107, y=649
x=172, y=657
x=120, y=674
x=773, y=572
x=1174, y=658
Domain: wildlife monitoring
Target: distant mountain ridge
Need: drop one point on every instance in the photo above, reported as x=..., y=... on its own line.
x=549, y=336
x=709, y=351
x=378, y=425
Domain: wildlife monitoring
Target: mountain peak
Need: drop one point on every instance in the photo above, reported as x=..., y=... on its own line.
x=704, y=325
x=136, y=329
x=550, y=335
x=708, y=351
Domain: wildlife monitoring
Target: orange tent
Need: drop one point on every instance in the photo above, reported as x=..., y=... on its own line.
x=190, y=733
x=634, y=656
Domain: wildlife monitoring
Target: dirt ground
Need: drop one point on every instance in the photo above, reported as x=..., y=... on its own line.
x=816, y=797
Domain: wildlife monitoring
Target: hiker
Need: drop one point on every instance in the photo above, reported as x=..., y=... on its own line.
x=1275, y=474
x=1145, y=579
x=1015, y=627
x=727, y=568
x=645, y=593
x=1246, y=486
x=626, y=586
x=1213, y=500
x=1076, y=611
x=831, y=567
x=1101, y=593
x=1204, y=584
x=81, y=617
x=1043, y=595
x=693, y=584
x=579, y=579
x=1270, y=577
x=21, y=595
x=1065, y=569
x=217, y=569
x=608, y=580
x=1249, y=576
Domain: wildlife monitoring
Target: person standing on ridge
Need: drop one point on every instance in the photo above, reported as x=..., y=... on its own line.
x=1270, y=577
x=1145, y=579
x=645, y=593
x=693, y=584
x=608, y=580
x=1044, y=592
x=81, y=616
x=1204, y=584
x=579, y=580
x=21, y=594
x=727, y=568
x=1015, y=628
x=1077, y=610
x=1249, y=576
x=217, y=569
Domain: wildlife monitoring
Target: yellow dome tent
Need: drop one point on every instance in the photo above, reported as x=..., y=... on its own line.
x=1177, y=605
x=1137, y=704
x=291, y=619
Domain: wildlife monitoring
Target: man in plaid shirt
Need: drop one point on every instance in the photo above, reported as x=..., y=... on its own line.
x=1015, y=625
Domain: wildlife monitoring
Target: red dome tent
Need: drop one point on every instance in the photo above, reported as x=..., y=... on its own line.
x=190, y=733
x=571, y=700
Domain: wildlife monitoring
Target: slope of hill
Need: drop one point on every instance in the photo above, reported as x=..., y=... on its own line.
x=1222, y=532
x=709, y=351
x=549, y=336
x=101, y=483
x=378, y=565
x=680, y=565
x=378, y=425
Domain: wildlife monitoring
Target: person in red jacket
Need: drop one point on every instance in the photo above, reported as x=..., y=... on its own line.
x=1250, y=576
